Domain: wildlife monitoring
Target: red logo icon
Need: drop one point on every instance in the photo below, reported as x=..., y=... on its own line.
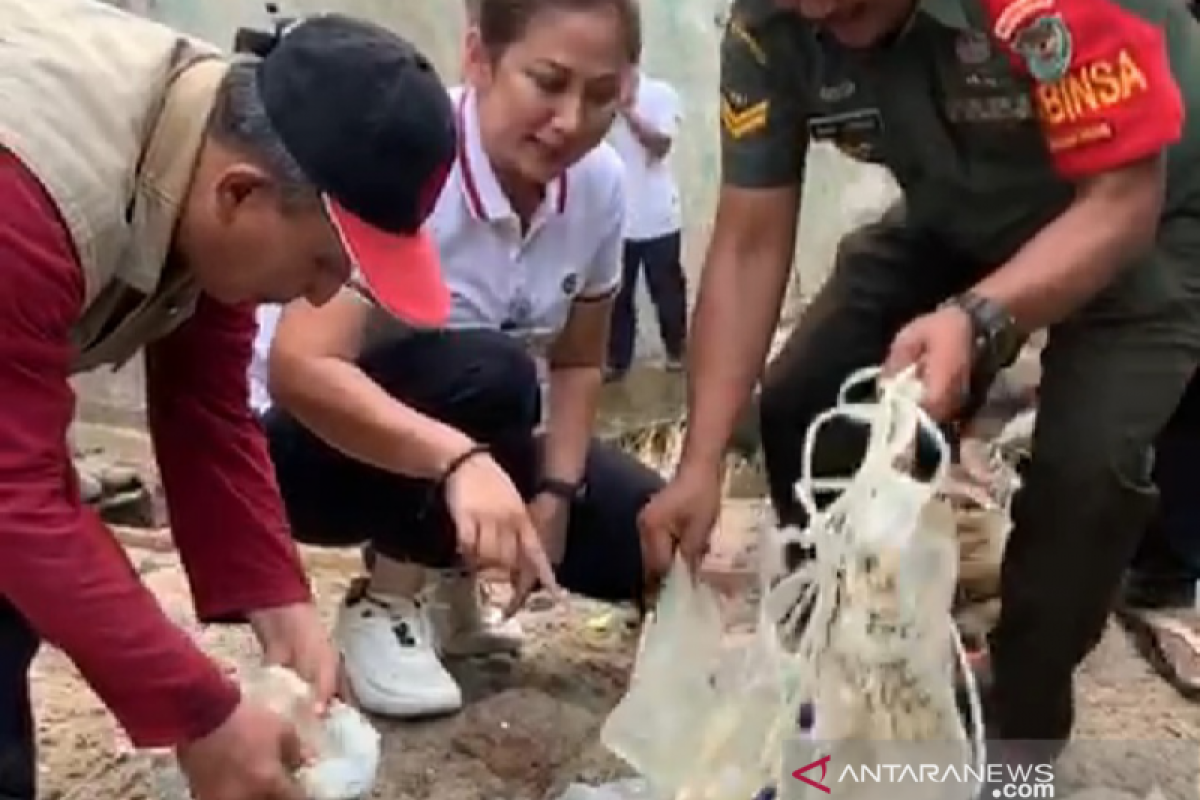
x=823, y=763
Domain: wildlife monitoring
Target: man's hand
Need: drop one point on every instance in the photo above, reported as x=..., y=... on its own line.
x=682, y=515
x=493, y=525
x=293, y=636
x=939, y=343
x=550, y=516
x=251, y=756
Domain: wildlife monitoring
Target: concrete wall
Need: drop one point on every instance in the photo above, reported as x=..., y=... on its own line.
x=681, y=47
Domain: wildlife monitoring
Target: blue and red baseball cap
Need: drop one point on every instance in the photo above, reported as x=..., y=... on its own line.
x=367, y=118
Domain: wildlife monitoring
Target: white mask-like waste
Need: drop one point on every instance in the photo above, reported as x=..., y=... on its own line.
x=345, y=745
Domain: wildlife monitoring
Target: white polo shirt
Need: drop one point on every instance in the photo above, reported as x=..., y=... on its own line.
x=499, y=277
x=653, y=208
x=525, y=282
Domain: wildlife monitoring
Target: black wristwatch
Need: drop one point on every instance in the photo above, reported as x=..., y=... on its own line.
x=995, y=339
x=560, y=489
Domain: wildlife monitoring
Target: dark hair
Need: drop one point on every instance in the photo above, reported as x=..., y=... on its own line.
x=503, y=22
x=238, y=120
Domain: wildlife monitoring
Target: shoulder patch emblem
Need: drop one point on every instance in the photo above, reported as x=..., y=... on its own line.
x=1045, y=45
x=1014, y=15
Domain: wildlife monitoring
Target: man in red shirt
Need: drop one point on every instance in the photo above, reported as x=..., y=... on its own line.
x=150, y=193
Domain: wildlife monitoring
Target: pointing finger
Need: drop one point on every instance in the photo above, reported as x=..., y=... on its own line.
x=535, y=553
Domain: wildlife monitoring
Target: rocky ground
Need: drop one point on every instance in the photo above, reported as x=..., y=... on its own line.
x=531, y=724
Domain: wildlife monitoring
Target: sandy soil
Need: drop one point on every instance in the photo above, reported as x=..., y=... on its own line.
x=532, y=723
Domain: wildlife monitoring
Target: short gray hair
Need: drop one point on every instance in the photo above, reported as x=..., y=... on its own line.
x=239, y=120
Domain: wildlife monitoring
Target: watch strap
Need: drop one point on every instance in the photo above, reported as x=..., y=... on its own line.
x=563, y=490
x=995, y=341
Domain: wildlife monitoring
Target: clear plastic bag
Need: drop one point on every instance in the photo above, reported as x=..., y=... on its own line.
x=656, y=726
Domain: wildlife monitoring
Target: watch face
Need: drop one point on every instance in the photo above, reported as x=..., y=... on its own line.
x=997, y=339
x=1010, y=342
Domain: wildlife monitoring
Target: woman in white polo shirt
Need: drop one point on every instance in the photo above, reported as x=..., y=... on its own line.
x=429, y=445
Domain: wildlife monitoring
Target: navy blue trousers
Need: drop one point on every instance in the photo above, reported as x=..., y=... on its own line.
x=660, y=259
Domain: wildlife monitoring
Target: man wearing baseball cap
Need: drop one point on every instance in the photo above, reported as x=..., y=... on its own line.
x=151, y=192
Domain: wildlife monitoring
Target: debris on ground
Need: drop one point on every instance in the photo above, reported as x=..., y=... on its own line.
x=630, y=789
x=532, y=724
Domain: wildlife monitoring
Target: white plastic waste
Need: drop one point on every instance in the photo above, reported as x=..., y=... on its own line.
x=862, y=632
x=629, y=789
x=346, y=745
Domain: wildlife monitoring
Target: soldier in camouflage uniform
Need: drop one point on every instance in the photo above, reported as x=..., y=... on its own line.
x=1048, y=163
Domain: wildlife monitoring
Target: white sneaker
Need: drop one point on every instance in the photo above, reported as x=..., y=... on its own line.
x=464, y=619
x=391, y=662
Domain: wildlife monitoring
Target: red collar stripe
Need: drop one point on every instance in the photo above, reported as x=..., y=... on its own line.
x=474, y=201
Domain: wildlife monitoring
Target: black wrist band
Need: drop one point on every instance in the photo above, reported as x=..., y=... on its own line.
x=459, y=460
x=439, y=485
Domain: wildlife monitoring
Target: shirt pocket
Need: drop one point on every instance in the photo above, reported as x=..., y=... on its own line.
x=989, y=112
x=843, y=112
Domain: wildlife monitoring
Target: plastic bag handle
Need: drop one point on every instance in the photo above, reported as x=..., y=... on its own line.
x=899, y=399
x=894, y=422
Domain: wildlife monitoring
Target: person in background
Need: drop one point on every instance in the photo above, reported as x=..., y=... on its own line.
x=432, y=446
x=152, y=190
x=643, y=136
x=1158, y=602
